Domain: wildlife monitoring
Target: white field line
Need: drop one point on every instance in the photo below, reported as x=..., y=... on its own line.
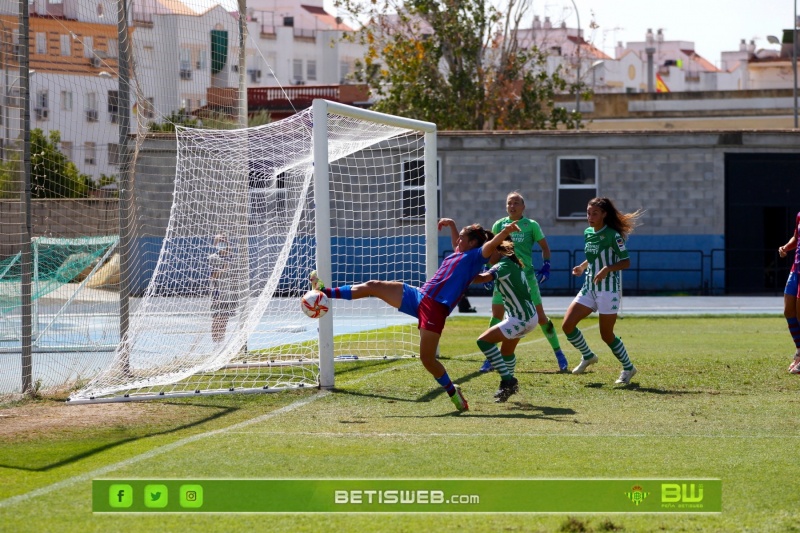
x=527, y=435
x=155, y=452
x=21, y=498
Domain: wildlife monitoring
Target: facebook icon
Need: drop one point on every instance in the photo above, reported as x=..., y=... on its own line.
x=120, y=496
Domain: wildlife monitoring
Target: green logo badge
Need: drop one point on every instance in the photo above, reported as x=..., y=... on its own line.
x=156, y=496
x=120, y=496
x=637, y=495
x=191, y=496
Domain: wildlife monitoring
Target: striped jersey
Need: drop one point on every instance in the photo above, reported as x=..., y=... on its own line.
x=456, y=272
x=512, y=283
x=796, y=264
x=529, y=234
x=603, y=248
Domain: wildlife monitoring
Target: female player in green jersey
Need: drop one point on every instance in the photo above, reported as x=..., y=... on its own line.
x=508, y=274
x=529, y=234
x=606, y=256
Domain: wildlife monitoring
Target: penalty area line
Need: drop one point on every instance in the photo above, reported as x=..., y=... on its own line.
x=21, y=498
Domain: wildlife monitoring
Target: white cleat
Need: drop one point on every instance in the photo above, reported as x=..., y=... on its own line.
x=584, y=364
x=625, y=377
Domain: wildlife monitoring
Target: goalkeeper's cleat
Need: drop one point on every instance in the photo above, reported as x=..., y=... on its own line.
x=625, y=376
x=486, y=366
x=507, y=388
x=459, y=401
x=584, y=364
x=563, y=365
x=316, y=283
x=794, y=368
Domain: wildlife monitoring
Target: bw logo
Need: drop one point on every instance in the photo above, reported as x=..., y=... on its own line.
x=684, y=492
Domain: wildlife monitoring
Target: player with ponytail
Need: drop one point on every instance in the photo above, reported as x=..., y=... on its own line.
x=435, y=300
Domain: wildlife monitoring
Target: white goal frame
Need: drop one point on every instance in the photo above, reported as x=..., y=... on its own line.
x=320, y=111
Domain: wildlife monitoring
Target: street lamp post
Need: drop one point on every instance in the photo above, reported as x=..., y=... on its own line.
x=578, y=73
x=650, y=50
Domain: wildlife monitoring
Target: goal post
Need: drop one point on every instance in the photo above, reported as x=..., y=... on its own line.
x=321, y=108
x=349, y=192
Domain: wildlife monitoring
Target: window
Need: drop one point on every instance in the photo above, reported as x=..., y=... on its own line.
x=202, y=59
x=185, y=58
x=297, y=70
x=66, y=100
x=113, y=48
x=90, y=153
x=414, y=189
x=66, y=149
x=149, y=107
x=66, y=45
x=90, y=106
x=113, y=106
x=311, y=70
x=91, y=101
x=41, y=42
x=577, y=184
x=113, y=154
x=42, y=99
x=344, y=70
x=88, y=47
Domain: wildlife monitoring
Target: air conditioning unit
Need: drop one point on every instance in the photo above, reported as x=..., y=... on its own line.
x=234, y=68
x=89, y=160
x=255, y=75
x=298, y=81
x=91, y=115
x=186, y=74
x=95, y=61
x=41, y=113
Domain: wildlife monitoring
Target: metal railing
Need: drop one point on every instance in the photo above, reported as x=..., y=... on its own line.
x=670, y=272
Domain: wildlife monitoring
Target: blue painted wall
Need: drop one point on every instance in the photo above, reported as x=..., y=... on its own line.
x=659, y=263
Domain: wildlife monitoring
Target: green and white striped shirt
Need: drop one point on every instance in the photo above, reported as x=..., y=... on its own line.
x=604, y=247
x=513, y=285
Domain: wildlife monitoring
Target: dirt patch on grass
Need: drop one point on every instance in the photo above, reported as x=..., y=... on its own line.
x=32, y=420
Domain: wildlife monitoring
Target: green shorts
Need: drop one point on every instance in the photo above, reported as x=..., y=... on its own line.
x=536, y=296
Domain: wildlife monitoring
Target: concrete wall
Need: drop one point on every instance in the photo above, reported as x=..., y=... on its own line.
x=58, y=218
x=678, y=178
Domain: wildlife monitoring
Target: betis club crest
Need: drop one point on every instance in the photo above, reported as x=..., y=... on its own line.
x=637, y=494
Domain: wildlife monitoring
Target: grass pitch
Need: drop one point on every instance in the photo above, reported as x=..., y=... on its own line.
x=712, y=399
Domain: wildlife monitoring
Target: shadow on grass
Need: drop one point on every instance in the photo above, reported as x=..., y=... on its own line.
x=518, y=409
x=635, y=387
x=344, y=367
x=58, y=446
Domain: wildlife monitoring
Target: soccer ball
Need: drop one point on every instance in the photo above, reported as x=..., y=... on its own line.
x=314, y=304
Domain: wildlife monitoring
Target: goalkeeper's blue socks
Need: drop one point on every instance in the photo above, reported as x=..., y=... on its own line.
x=345, y=292
x=444, y=381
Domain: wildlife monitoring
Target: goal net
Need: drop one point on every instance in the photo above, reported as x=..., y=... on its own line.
x=348, y=192
x=74, y=319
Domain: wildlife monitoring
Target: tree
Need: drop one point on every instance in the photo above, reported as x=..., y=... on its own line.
x=53, y=175
x=459, y=64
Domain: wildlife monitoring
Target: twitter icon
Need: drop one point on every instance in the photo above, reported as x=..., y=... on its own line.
x=156, y=496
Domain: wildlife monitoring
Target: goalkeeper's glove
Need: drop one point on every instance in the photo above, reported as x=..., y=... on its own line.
x=544, y=273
